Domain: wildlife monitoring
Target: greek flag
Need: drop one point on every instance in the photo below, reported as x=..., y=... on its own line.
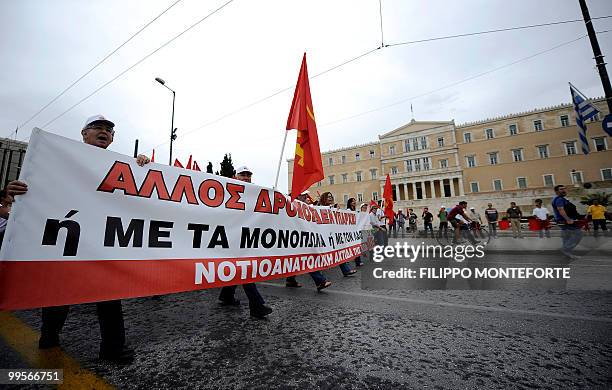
x=584, y=112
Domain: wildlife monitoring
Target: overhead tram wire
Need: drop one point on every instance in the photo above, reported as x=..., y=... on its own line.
x=261, y=100
x=460, y=81
x=96, y=65
x=138, y=63
x=328, y=70
x=492, y=31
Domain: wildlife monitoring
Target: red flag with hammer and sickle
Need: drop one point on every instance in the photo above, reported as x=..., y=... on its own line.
x=307, y=165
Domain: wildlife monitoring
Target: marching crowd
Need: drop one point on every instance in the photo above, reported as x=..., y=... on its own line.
x=99, y=131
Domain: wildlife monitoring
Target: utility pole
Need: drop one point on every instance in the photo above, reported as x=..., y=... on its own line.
x=599, y=58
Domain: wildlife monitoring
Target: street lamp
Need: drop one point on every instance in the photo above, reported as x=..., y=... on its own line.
x=172, y=129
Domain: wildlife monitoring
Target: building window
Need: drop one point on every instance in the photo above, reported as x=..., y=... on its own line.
x=417, y=164
x=576, y=177
x=343, y=159
x=522, y=182
x=517, y=155
x=606, y=174
x=489, y=133
x=444, y=163
x=497, y=185
x=570, y=148
x=493, y=160
x=331, y=161
x=408, y=165
x=537, y=125
x=426, y=163
x=344, y=178
x=407, y=145
x=373, y=173
x=549, y=180
x=471, y=161
x=345, y=199
x=331, y=180
x=360, y=197
x=564, y=120
x=374, y=195
x=600, y=144
x=467, y=137
x=512, y=129
x=543, y=151
x=357, y=157
x=474, y=187
x=392, y=150
x=372, y=154
x=394, y=170
x=440, y=141
x=358, y=176
x=423, y=142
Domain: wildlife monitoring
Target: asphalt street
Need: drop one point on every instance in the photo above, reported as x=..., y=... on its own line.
x=350, y=337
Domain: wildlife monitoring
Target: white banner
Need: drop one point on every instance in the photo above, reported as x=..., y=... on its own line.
x=95, y=226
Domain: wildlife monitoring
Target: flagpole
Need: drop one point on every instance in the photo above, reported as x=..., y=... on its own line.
x=280, y=160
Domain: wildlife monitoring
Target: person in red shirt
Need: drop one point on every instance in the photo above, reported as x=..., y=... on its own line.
x=460, y=221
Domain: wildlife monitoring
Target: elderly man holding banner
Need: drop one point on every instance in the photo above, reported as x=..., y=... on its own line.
x=97, y=131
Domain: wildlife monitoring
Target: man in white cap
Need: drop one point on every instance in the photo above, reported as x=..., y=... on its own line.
x=97, y=131
x=257, y=304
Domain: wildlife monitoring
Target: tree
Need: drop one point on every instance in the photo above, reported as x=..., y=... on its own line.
x=227, y=168
x=602, y=197
x=209, y=168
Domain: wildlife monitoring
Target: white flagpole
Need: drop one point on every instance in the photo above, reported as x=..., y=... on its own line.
x=280, y=160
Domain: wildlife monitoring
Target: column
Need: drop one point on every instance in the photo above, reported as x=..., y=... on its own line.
x=413, y=190
x=461, y=186
x=452, y=188
x=405, y=187
x=423, y=190
x=433, y=189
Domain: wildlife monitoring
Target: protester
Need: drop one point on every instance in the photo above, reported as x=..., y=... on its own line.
x=317, y=276
x=476, y=221
x=97, y=131
x=442, y=216
x=6, y=201
x=566, y=216
x=377, y=225
x=597, y=213
x=492, y=216
x=514, y=215
x=412, y=222
x=427, y=221
x=392, y=226
x=381, y=217
x=460, y=222
x=401, y=221
x=257, y=305
x=351, y=204
x=327, y=200
x=541, y=219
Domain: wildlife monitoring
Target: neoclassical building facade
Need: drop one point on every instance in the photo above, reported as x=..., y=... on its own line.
x=516, y=157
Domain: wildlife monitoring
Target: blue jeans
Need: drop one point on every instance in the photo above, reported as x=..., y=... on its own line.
x=318, y=277
x=571, y=237
x=345, y=268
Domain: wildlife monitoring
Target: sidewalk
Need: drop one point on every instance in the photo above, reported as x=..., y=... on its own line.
x=600, y=246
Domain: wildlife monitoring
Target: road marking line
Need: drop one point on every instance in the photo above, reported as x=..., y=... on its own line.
x=461, y=305
x=23, y=339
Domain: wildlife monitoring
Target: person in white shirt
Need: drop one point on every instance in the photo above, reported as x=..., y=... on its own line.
x=541, y=214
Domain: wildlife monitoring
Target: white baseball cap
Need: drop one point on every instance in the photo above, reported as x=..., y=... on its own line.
x=472, y=208
x=97, y=118
x=243, y=169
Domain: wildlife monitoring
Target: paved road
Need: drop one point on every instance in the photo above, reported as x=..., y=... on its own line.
x=347, y=337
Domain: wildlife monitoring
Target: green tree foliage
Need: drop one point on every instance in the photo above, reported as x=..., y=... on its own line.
x=227, y=168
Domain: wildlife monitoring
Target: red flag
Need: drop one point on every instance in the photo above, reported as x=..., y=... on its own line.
x=388, y=197
x=189, y=162
x=153, y=156
x=307, y=165
x=177, y=163
x=196, y=167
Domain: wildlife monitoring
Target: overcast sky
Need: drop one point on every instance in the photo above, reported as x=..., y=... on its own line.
x=252, y=49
